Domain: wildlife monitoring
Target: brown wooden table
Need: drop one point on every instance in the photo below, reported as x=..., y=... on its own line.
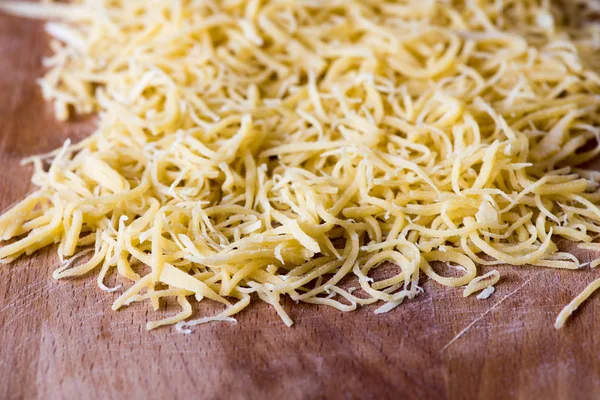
x=61, y=340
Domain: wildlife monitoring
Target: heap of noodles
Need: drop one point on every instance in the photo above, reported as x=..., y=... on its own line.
x=270, y=148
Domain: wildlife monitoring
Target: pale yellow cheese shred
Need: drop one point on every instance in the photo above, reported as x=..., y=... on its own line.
x=482, y=282
x=276, y=149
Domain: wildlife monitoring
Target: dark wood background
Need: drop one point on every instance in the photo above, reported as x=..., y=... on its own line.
x=61, y=340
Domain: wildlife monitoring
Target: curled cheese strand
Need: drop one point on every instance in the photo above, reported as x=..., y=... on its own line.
x=481, y=283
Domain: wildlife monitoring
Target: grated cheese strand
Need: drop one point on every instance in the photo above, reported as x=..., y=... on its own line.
x=482, y=282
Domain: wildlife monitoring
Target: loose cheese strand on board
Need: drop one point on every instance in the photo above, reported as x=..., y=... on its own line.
x=575, y=303
x=481, y=283
x=298, y=148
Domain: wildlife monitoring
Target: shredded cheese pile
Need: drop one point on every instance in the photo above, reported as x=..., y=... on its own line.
x=278, y=148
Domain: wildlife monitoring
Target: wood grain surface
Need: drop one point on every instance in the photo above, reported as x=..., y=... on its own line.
x=59, y=339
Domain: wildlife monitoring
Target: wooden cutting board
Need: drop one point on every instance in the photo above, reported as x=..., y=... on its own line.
x=61, y=340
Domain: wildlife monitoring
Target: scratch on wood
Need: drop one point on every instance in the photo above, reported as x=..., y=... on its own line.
x=476, y=320
x=26, y=309
x=40, y=287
